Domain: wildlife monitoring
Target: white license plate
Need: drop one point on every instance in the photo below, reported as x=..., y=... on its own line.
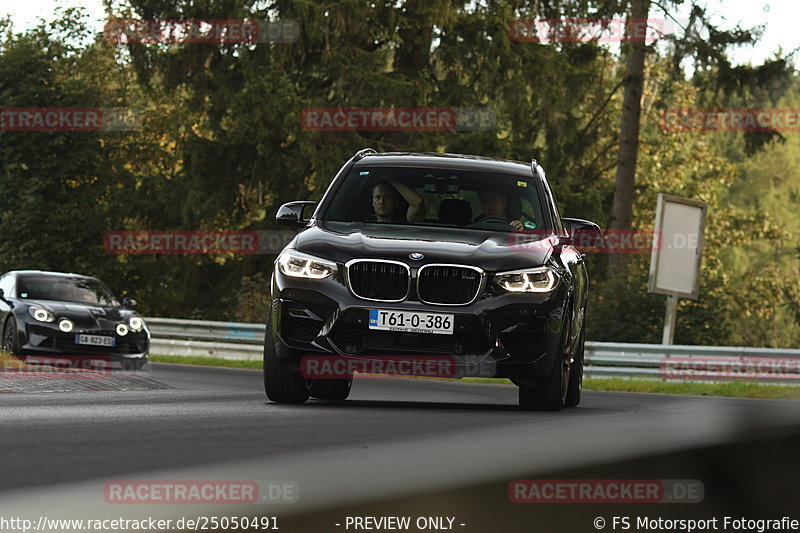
x=95, y=340
x=411, y=321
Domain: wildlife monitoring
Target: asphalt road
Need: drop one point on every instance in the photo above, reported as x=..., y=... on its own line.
x=392, y=437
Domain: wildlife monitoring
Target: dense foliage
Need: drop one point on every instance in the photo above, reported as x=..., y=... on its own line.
x=222, y=146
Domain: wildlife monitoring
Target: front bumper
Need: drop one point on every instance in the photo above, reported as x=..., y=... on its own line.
x=37, y=338
x=512, y=335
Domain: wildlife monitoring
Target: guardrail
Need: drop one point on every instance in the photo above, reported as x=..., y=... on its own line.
x=699, y=363
x=238, y=340
x=204, y=338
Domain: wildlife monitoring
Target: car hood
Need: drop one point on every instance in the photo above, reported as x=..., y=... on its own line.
x=492, y=251
x=78, y=311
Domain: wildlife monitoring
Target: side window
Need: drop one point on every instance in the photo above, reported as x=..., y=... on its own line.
x=7, y=284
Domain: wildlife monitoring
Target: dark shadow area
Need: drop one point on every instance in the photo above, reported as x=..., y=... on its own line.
x=753, y=478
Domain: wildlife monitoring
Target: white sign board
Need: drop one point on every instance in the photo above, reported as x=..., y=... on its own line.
x=678, y=246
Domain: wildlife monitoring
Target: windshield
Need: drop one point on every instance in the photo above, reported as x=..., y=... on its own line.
x=437, y=197
x=64, y=289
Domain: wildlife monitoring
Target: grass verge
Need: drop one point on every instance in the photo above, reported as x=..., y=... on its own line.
x=733, y=389
x=205, y=361
x=9, y=362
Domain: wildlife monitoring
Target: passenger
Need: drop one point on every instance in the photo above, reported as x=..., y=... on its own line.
x=388, y=196
x=494, y=206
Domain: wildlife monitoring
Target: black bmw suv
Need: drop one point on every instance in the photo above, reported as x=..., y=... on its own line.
x=430, y=257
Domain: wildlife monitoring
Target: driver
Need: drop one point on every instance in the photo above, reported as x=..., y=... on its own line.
x=387, y=201
x=494, y=205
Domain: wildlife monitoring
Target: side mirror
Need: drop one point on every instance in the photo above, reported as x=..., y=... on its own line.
x=128, y=302
x=583, y=233
x=295, y=213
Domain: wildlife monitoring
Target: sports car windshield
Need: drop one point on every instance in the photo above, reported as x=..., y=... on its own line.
x=79, y=290
x=437, y=197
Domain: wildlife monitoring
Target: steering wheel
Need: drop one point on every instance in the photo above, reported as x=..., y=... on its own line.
x=490, y=223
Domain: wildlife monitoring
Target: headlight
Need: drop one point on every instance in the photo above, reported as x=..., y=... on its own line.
x=299, y=265
x=542, y=279
x=65, y=325
x=41, y=314
x=122, y=330
x=136, y=323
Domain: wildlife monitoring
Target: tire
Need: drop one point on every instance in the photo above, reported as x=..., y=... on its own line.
x=283, y=382
x=576, y=372
x=11, y=338
x=549, y=393
x=331, y=389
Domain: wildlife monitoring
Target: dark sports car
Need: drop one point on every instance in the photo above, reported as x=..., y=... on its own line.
x=69, y=315
x=421, y=258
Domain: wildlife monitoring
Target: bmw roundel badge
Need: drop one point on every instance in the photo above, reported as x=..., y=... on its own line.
x=416, y=256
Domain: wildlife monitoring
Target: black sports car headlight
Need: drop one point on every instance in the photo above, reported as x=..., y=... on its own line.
x=541, y=279
x=135, y=323
x=41, y=314
x=300, y=265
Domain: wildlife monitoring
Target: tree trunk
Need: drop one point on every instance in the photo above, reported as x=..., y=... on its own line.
x=622, y=210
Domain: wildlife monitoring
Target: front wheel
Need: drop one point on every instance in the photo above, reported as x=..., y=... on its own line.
x=550, y=392
x=331, y=389
x=11, y=338
x=283, y=381
x=576, y=372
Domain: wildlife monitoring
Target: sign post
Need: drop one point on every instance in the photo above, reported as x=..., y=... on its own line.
x=669, y=319
x=676, y=254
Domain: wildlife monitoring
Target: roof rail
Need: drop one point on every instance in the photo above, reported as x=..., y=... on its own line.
x=363, y=152
x=534, y=164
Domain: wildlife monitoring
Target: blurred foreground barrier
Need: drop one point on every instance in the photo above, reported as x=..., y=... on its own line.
x=237, y=340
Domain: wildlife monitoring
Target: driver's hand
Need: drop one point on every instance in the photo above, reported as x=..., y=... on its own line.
x=517, y=224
